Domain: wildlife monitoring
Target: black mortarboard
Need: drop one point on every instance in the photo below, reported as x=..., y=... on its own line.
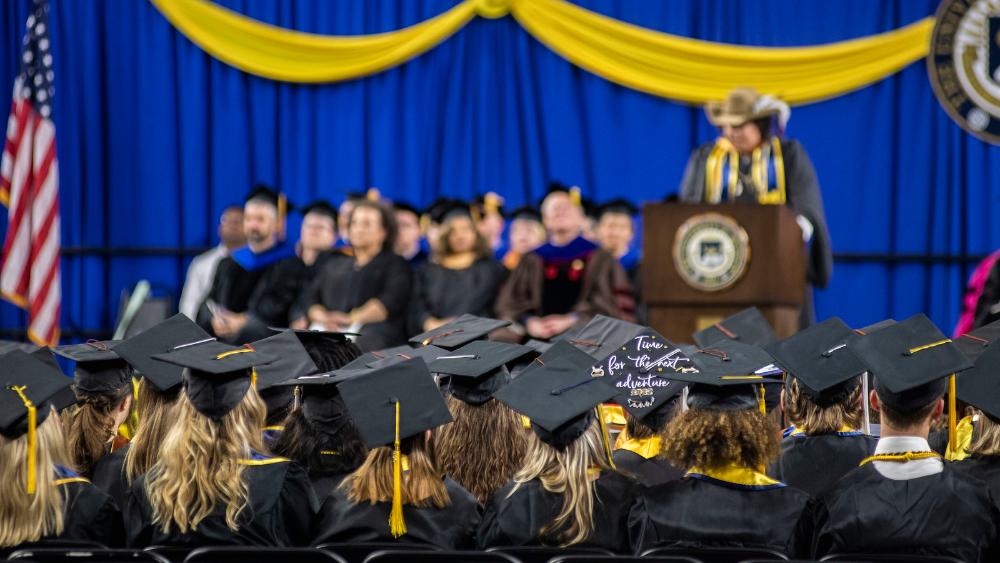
x=458, y=332
x=729, y=377
x=362, y=361
x=38, y=382
x=618, y=205
x=487, y=203
x=268, y=195
x=748, y=326
x=601, y=336
x=436, y=210
x=642, y=371
x=217, y=375
x=11, y=345
x=321, y=207
x=975, y=342
x=372, y=400
x=589, y=207
x=526, y=213
x=290, y=359
x=818, y=357
x=980, y=385
x=873, y=327
x=159, y=339
x=66, y=397
x=426, y=353
x=456, y=208
x=329, y=350
x=478, y=369
x=558, y=394
x=403, y=206
x=558, y=187
x=99, y=370
x=910, y=361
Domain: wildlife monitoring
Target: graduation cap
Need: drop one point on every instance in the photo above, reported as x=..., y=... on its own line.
x=321, y=207
x=980, y=385
x=731, y=376
x=975, y=342
x=458, y=332
x=818, y=357
x=406, y=207
x=642, y=371
x=138, y=351
x=602, y=335
x=556, y=187
x=435, y=212
x=99, y=370
x=478, y=369
x=589, y=208
x=329, y=350
x=748, y=326
x=66, y=397
x=28, y=386
x=276, y=199
x=426, y=353
x=217, y=375
x=488, y=203
x=362, y=361
x=290, y=360
x=559, y=394
x=910, y=361
x=526, y=213
x=873, y=327
x=455, y=208
x=11, y=345
x=619, y=205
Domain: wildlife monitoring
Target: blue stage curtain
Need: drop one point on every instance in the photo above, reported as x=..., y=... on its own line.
x=156, y=137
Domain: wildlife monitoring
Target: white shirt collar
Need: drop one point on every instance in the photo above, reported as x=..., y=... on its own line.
x=904, y=471
x=900, y=444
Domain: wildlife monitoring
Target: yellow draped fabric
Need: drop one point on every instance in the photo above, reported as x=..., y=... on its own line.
x=658, y=63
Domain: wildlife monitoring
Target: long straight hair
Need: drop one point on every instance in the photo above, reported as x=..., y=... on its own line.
x=199, y=464
x=567, y=473
x=155, y=419
x=93, y=426
x=24, y=517
x=422, y=486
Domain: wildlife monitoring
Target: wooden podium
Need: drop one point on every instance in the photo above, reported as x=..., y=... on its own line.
x=694, y=274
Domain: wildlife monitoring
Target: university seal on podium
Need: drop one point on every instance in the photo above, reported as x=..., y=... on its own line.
x=711, y=251
x=964, y=65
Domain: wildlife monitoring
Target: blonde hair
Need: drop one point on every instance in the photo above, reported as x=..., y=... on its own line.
x=482, y=448
x=199, y=464
x=422, y=486
x=156, y=418
x=707, y=438
x=566, y=473
x=30, y=517
x=811, y=418
x=986, y=438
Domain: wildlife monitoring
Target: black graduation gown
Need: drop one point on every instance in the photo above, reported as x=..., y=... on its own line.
x=950, y=513
x=813, y=463
x=109, y=475
x=342, y=286
x=443, y=292
x=986, y=469
x=324, y=485
x=647, y=472
x=90, y=514
x=266, y=294
x=698, y=512
x=518, y=520
x=453, y=527
x=280, y=510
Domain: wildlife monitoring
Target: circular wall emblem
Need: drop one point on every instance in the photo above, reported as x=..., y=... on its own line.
x=711, y=251
x=964, y=64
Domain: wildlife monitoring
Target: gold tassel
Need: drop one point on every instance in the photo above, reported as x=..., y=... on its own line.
x=575, y=197
x=952, y=415
x=253, y=377
x=604, y=436
x=32, y=444
x=397, y=526
x=373, y=195
x=761, y=403
x=282, y=213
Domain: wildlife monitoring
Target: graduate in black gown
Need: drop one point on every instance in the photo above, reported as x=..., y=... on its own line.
x=641, y=370
x=822, y=399
x=462, y=276
x=398, y=493
x=410, y=243
x=37, y=487
x=567, y=492
x=978, y=387
x=257, y=285
x=315, y=248
x=367, y=292
x=723, y=441
x=904, y=499
x=211, y=483
x=319, y=433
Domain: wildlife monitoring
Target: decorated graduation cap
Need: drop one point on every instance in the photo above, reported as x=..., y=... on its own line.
x=602, y=335
x=975, y=342
x=321, y=207
x=620, y=206
x=526, y=213
x=748, y=326
x=458, y=332
x=389, y=405
x=479, y=369
x=560, y=394
x=29, y=386
x=910, y=361
x=642, y=370
x=980, y=385
x=99, y=370
x=731, y=376
x=819, y=358
x=216, y=376
x=139, y=350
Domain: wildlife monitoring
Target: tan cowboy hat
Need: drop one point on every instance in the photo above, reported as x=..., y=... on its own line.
x=742, y=105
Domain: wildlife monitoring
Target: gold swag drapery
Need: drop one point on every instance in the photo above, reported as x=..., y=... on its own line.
x=657, y=63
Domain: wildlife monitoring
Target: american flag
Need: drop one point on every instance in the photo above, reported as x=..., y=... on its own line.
x=29, y=187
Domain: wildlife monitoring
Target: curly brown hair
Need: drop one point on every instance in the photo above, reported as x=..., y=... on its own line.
x=709, y=438
x=442, y=247
x=811, y=418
